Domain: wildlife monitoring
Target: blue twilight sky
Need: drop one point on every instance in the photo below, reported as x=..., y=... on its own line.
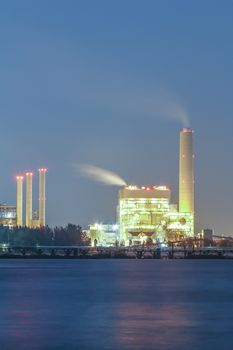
x=108, y=83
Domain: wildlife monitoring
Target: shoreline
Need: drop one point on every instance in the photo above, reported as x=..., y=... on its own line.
x=103, y=257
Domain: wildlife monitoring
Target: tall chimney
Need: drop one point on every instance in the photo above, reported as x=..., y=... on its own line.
x=186, y=172
x=19, y=205
x=29, y=176
x=42, y=196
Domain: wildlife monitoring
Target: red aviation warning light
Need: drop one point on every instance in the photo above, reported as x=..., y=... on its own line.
x=43, y=170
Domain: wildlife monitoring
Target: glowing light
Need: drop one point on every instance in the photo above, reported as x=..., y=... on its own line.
x=43, y=169
x=131, y=187
x=98, y=226
x=187, y=130
x=162, y=188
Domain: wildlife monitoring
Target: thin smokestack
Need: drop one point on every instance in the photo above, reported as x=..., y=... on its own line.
x=42, y=195
x=186, y=172
x=29, y=176
x=19, y=200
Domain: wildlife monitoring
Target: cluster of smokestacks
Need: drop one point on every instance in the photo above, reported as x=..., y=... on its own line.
x=30, y=221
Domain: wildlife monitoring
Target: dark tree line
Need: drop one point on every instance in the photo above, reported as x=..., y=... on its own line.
x=23, y=236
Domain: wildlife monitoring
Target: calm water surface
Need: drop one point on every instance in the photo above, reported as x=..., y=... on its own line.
x=116, y=304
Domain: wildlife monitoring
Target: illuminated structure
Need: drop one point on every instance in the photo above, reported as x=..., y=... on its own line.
x=29, y=176
x=141, y=213
x=42, y=199
x=33, y=220
x=186, y=173
x=178, y=225
x=104, y=234
x=145, y=214
x=8, y=215
x=12, y=216
x=19, y=205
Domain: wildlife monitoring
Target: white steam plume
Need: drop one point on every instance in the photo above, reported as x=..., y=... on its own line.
x=146, y=103
x=101, y=175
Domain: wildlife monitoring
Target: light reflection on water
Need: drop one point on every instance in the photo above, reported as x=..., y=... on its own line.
x=142, y=326
x=116, y=304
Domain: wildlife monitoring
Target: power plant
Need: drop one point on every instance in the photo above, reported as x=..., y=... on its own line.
x=146, y=214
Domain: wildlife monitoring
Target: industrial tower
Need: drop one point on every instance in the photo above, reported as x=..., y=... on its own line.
x=42, y=199
x=186, y=172
x=19, y=209
x=29, y=176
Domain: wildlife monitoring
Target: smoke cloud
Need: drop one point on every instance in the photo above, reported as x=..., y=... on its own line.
x=137, y=102
x=100, y=175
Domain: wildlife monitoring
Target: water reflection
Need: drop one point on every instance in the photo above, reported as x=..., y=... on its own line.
x=153, y=326
x=22, y=313
x=114, y=304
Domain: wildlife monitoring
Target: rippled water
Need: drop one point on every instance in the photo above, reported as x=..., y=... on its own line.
x=116, y=304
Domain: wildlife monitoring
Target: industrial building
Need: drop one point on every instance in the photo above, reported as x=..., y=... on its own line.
x=104, y=234
x=8, y=215
x=145, y=214
x=141, y=212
